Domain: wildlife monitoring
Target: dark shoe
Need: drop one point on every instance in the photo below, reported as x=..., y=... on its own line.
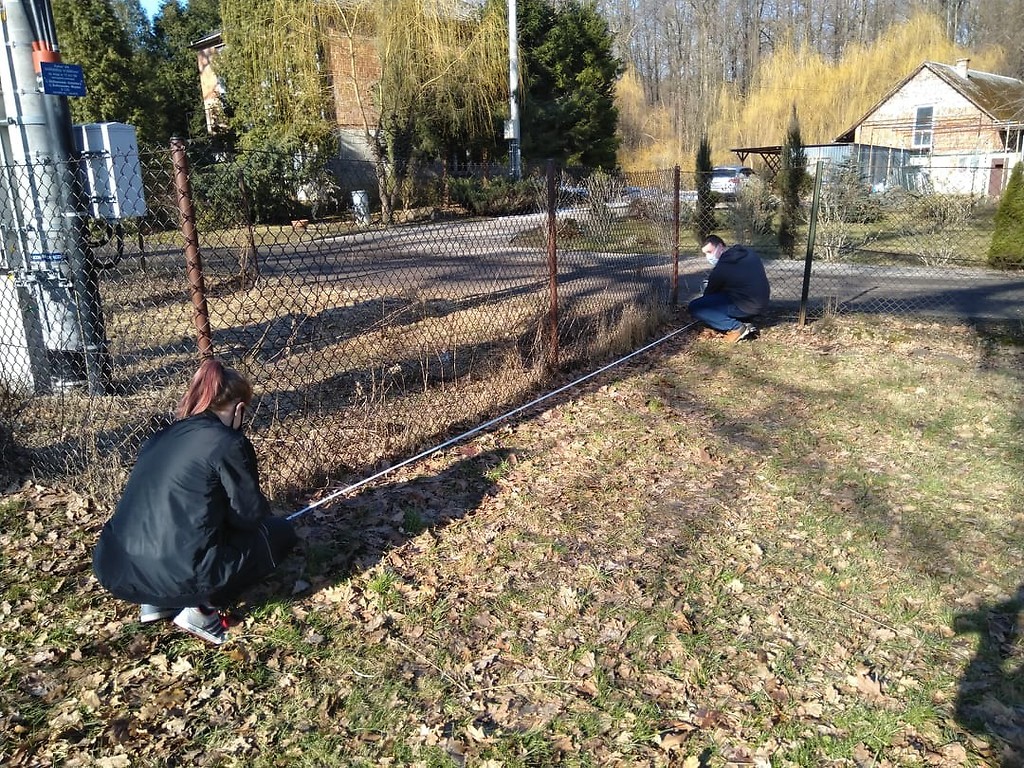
x=149, y=613
x=738, y=334
x=206, y=623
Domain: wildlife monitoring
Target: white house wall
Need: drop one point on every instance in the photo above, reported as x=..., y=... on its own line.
x=959, y=126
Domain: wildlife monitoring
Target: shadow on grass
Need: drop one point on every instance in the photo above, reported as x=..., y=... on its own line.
x=990, y=697
x=352, y=535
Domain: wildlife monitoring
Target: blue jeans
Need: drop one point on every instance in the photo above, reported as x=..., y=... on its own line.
x=716, y=311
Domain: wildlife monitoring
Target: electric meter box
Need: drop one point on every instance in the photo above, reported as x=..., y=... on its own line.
x=111, y=173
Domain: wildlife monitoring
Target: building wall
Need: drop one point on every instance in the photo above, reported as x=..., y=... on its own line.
x=355, y=68
x=212, y=88
x=959, y=127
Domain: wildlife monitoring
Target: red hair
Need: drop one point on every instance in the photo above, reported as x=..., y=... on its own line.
x=214, y=386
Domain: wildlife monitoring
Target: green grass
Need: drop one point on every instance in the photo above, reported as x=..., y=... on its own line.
x=802, y=549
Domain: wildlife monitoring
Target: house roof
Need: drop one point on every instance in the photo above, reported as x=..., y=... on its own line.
x=998, y=96
x=207, y=41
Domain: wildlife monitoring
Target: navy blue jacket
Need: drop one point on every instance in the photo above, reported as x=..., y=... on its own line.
x=739, y=273
x=192, y=522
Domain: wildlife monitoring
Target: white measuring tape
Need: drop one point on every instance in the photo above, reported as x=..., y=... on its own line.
x=441, y=446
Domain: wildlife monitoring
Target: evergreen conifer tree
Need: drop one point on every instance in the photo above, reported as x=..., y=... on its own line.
x=569, y=73
x=1007, y=247
x=704, y=216
x=92, y=35
x=790, y=181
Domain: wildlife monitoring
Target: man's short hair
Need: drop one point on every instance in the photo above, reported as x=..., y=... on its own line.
x=713, y=240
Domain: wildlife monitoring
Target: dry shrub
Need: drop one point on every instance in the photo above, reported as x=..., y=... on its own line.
x=624, y=333
x=754, y=211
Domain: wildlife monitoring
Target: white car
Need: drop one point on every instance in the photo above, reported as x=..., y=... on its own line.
x=728, y=180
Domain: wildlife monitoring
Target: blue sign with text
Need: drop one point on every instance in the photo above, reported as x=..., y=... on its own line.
x=62, y=79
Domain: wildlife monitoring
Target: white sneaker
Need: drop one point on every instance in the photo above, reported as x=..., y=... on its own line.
x=149, y=613
x=211, y=627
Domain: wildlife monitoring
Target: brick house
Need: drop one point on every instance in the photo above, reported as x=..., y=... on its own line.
x=353, y=67
x=963, y=129
x=210, y=84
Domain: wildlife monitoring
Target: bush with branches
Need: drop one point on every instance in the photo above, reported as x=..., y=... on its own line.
x=754, y=211
x=603, y=189
x=275, y=183
x=494, y=197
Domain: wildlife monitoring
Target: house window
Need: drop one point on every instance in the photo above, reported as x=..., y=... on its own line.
x=923, y=125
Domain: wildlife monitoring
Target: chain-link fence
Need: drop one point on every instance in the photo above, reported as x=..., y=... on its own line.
x=895, y=245
x=375, y=315
x=903, y=246
x=365, y=338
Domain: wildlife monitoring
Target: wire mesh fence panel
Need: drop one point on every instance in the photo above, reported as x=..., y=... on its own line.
x=376, y=315
x=97, y=334
x=365, y=337
x=914, y=243
x=749, y=216
x=614, y=237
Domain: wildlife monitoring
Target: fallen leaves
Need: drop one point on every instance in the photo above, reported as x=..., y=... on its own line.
x=677, y=564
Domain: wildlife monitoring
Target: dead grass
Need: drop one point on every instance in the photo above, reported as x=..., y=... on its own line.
x=346, y=377
x=801, y=551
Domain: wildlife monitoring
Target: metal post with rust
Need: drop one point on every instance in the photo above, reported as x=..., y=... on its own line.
x=675, y=236
x=552, y=360
x=193, y=261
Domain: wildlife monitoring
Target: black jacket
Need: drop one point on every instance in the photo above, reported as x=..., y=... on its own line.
x=740, y=274
x=192, y=522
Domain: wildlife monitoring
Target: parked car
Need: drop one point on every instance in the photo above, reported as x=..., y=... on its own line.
x=728, y=180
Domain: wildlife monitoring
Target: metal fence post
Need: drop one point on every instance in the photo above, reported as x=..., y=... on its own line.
x=675, y=236
x=552, y=358
x=193, y=261
x=812, y=227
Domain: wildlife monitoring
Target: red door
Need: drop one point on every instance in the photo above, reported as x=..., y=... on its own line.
x=995, y=178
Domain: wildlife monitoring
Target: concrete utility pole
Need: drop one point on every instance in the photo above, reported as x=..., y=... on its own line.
x=512, y=127
x=50, y=293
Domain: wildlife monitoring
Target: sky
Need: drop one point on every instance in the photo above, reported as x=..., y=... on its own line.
x=150, y=6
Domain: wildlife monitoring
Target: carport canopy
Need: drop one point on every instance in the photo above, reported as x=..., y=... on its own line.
x=770, y=156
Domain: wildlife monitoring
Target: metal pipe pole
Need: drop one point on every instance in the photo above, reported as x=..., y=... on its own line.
x=812, y=228
x=55, y=272
x=552, y=269
x=675, y=236
x=193, y=261
x=512, y=132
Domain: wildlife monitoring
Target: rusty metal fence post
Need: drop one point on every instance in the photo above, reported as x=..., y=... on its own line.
x=552, y=242
x=193, y=261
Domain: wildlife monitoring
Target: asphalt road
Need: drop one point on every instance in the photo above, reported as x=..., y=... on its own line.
x=475, y=258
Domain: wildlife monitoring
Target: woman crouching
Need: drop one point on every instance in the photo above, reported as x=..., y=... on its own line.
x=193, y=529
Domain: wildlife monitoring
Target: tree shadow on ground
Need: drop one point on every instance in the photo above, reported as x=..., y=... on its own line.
x=352, y=535
x=990, y=697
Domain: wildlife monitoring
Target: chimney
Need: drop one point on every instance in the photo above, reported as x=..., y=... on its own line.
x=961, y=67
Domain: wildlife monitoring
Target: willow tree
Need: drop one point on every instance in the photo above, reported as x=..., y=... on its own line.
x=273, y=65
x=443, y=78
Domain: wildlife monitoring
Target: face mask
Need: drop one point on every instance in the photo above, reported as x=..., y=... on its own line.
x=712, y=259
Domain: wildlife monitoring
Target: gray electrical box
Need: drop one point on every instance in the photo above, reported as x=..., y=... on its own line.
x=111, y=171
